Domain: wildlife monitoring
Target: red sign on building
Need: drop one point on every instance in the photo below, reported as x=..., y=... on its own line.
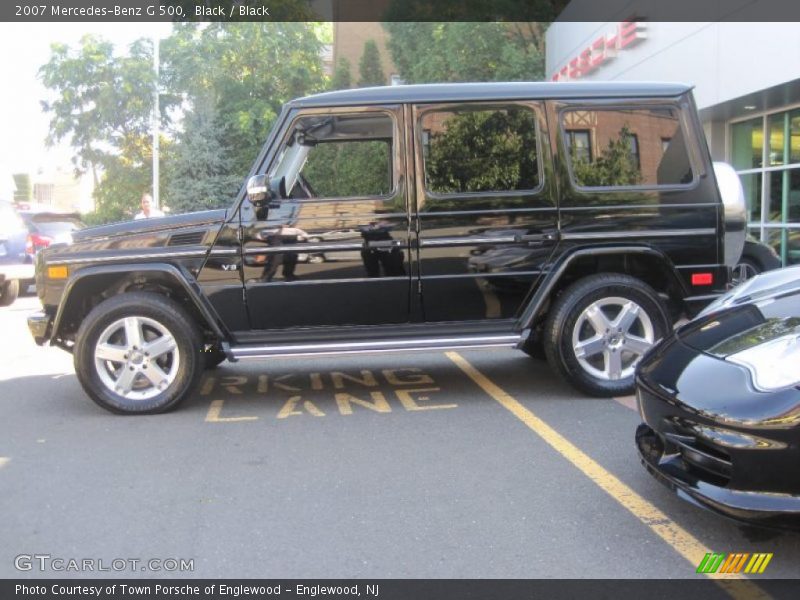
x=626, y=35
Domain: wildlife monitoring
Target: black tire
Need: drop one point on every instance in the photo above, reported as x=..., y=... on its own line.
x=164, y=312
x=9, y=291
x=574, y=303
x=213, y=357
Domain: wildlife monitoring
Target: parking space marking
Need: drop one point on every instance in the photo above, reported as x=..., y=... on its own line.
x=676, y=536
x=214, y=414
x=3, y=461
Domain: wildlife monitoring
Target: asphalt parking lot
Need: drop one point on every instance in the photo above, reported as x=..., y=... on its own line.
x=477, y=464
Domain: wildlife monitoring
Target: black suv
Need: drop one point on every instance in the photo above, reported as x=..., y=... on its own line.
x=572, y=221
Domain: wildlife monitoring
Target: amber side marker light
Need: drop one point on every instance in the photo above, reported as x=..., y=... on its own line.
x=702, y=278
x=57, y=272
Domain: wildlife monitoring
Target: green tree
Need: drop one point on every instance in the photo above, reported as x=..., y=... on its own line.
x=246, y=71
x=24, y=189
x=201, y=173
x=369, y=67
x=467, y=51
x=341, y=79
x=615, y=166
x=102, y=105
x=353, y=168
x=483, y=150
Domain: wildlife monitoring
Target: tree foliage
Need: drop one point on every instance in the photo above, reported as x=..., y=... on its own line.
x=229, y=77
x=616, y=165
x=353, y=168
x=487, y=150
x=342, y=78
x=202, y=173
x=369, y=67
x=467, y=51
x=246, y=71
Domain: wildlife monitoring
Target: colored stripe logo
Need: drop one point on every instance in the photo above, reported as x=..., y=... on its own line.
x=716, y=562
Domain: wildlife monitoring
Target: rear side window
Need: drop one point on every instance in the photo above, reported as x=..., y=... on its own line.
x=479, y=149
x=641, y=147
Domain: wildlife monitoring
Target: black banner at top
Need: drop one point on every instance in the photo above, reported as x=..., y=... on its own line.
x=397, y=10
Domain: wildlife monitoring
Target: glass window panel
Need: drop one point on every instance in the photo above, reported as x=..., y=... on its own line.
x=784, y=196
x=786, y=243
x=752, y=195
x=794, y=132
x=349, y=169
x=629, y=148
x=474, y=150
x=777, y=139
x=747, y=144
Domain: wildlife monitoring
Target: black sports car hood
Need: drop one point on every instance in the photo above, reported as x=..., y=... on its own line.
x=759, y=311
x=139, y=226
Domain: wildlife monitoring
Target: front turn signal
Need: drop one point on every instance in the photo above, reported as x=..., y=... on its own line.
x=60, y=272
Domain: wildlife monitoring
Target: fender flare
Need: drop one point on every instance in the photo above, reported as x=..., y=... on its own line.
x=176, y=274
x=533, y=308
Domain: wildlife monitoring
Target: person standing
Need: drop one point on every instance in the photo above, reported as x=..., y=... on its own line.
x=148, y=210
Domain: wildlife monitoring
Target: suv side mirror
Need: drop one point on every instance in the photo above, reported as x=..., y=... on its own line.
x=261, y=191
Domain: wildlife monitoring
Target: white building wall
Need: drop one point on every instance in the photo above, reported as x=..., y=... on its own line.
x=723, y=60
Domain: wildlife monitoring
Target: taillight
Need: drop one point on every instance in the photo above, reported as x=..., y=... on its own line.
x=37, y=242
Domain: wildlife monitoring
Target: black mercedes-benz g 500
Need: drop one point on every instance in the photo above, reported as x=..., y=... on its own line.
x=572, y=221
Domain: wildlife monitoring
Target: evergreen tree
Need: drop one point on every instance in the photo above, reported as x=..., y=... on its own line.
x=202, y=174
x=369, y=67
x=341, y=79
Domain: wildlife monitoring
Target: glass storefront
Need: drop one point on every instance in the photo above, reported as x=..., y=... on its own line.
x=765, y=151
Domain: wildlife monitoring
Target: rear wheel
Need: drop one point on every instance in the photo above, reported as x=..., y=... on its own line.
x=138, y=353
x=9, y=291
x=599, y=329
x=745, y=269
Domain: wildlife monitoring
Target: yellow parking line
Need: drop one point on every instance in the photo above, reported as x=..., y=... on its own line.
x=676, y=536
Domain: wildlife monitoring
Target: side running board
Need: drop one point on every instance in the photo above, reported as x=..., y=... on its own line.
x=401, y=345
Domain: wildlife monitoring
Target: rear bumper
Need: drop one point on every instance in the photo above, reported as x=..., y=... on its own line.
x=16, y=272
x=40, y=325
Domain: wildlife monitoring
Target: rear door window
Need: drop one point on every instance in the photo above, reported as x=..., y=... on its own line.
x=626, y=148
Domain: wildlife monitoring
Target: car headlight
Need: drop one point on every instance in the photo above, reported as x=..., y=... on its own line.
x=773, y=364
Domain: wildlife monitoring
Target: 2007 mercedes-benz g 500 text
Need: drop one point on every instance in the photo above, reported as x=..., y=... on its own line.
x=575, y=221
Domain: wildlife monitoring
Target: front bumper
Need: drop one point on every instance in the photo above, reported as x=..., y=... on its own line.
x=40, y=325
x=682, y=451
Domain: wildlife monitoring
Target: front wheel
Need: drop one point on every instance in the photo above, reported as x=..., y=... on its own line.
x=138, y=353
x=599, y=329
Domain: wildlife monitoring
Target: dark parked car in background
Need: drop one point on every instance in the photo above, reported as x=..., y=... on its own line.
x=16, y=265
x=46, y=228
x=720, y=401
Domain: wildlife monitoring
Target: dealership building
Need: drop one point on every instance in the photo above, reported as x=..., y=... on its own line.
x=746, y=79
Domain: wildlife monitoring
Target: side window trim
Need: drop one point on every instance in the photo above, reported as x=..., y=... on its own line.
x=420, y=110
x=688, y=140
x=395, y=151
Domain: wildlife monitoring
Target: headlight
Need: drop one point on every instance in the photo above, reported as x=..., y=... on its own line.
x=773, y=364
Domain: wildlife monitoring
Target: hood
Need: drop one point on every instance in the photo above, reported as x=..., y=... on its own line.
x=756, y=326
x=193, y=219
